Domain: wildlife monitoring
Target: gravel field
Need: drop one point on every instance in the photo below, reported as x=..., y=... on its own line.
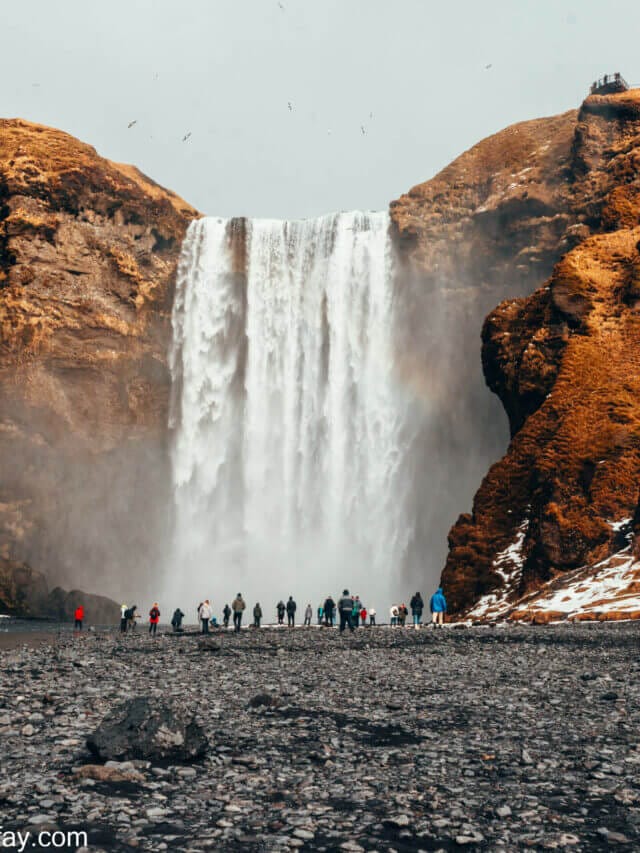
x=501, y=738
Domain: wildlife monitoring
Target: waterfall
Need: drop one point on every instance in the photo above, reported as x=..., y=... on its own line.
x=290, y=429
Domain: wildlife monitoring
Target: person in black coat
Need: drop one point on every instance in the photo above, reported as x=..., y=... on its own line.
x=345, y=607
x=417, y=606
x=176, y=620
x=291, y=612
x=329, y=608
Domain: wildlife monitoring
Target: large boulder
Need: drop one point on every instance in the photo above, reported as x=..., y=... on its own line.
x=150, y=730
x=24, y=593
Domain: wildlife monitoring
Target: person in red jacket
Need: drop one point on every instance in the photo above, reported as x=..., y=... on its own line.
x=79, y=617
x=154, y=618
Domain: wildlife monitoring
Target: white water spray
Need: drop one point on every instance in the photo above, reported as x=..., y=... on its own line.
x=291, y=431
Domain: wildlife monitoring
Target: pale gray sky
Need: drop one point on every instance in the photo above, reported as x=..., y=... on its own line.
x=411, y=72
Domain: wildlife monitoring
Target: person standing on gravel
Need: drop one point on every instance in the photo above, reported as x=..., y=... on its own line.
x=123, y=618
x=372, y=616
x=131, y=617
x=78, y=617
x=154, y=618
x=291, y=612
x=226, y=615
x=238, y=606
x=329, y=609
x=438, y=607
x=320, y=614
x=176, y=620
x=393, y=615
x=355, y=611
x=417, y=606
x=308, y=613
x=205, y=614
x=345, y=608
x=257, y=615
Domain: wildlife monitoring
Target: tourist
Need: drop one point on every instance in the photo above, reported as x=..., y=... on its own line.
x=308, y=613
x=393, y=615
x=329, y=610
x=226, y=615
x=280, y=608
x=320, y=614
x=417, y=606
x=257, y=615
x=355, y=611
x=78, y=617
x=438, y=607
x=205, y=613
x=363, y=617
x=132, y=616
x=291, y=612
x=176, y=620
x=345, y=607
x=403, y=612
x=372, y=616
x=123, y=618
x=238, y=606
x=154, y=618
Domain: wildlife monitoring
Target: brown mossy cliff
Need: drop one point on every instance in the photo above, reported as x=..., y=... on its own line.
x=565, y=362
x=88, y=251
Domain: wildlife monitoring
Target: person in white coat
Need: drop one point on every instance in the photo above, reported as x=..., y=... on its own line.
x=308, y=613
x=205, y=615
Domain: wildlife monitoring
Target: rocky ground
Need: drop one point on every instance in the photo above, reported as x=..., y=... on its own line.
x=481, y=738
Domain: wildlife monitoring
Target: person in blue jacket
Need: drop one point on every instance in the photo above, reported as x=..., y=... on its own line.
x=438, y=606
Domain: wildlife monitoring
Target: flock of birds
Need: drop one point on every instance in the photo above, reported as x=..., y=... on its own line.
x=187, y=135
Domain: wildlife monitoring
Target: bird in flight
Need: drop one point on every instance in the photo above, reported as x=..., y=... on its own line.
x=362, y=129
x=487, y=67
x=281, y=6
x=289, y=105
x=186, y=136
x=131, y=123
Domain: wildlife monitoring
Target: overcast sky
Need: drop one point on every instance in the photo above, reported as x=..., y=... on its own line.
x=411, y=73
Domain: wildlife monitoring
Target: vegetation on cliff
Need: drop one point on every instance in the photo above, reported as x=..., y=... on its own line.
x=565, y=363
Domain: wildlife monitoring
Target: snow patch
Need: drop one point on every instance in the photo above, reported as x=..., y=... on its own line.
x=507, y=565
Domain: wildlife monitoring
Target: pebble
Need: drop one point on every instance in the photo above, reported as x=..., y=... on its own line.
x=382, y=740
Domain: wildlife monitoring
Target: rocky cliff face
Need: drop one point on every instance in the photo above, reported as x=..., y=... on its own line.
x=490, y=226
x=565, y=362
x=88, y=250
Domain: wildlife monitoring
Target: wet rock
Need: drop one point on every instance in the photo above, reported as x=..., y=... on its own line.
x=148, y=729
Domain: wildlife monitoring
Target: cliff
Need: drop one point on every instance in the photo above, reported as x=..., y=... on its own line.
x=88, y=250
x=561, y=507
x=490, y=226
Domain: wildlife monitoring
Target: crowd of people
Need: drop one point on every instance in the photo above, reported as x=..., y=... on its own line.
x=348, y=612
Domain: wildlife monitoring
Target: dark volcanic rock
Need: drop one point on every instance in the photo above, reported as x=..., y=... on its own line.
x=149, y=730
x=24, y=593
x=563, y=362
x=493, y=740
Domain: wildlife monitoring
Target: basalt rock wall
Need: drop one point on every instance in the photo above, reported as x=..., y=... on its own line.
x=88, y=251
x=565, y=363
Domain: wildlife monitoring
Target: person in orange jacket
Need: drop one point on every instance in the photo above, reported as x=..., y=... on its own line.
x=154, y=618
x=79, y=617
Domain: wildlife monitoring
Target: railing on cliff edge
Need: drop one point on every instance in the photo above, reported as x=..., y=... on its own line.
x=609, y=84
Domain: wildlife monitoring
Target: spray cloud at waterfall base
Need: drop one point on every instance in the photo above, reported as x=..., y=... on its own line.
x=291, y=433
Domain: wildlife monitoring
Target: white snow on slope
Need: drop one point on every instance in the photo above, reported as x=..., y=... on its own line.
x=508, y=565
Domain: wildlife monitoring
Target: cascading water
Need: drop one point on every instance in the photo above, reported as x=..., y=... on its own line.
x=291, y=431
